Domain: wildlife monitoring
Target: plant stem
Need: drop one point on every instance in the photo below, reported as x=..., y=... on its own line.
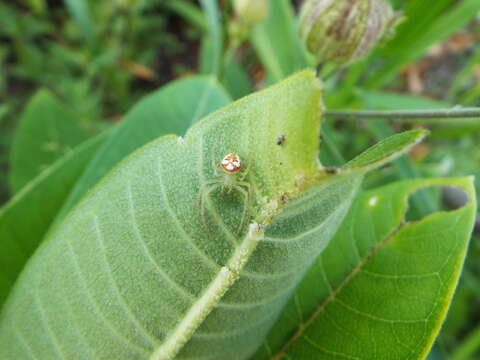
x=408, y=114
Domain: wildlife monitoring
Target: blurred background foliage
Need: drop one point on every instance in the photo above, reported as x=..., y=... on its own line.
x=81, y=65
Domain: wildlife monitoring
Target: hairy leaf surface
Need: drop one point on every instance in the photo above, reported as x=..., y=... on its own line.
x=170, y=110
x=134, y=273
x=382, y=287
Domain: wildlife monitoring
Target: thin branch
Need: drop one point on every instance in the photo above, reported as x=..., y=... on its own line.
x=463, y=113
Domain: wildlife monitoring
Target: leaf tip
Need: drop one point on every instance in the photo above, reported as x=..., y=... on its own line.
x=387, y=150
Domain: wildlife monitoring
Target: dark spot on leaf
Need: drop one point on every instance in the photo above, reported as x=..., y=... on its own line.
x=331, y=170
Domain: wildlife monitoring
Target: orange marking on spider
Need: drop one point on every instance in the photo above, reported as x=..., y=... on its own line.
x=231, y=163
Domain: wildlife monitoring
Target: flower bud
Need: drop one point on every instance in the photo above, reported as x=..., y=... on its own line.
x=251, y=12
x=342, y=31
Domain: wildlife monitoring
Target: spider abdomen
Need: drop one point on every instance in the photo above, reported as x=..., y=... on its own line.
x=231, y=163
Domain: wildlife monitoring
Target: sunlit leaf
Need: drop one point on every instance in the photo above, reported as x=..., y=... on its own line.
x=170, y=110
x=135, y=271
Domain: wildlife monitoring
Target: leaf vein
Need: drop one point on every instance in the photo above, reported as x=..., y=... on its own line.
x=18, y=334
x=44, y=320
x=313, y=230
x=139, y=328
x=238, y=330
x=254, y=304
x=375, y=317
x=188, y=239
x=175, y=285
x=329, y=352
x=107, y=323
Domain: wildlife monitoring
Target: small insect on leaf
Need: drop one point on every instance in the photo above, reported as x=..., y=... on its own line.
x=331, y=170
x=281, y=140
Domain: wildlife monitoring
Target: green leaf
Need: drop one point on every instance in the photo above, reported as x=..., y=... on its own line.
x=190, y=12
x=383, y=286
x=423, y=201
x=170, y=110
x=212, y=43
x=136, y=271
x=80, y=12
x=48, y=130
x=37, y=6
x=25, y=219
x=425, y=27
x=469, y=348
x=386, y=150
x=277, y=42
x=463, y=77
x=4, y=109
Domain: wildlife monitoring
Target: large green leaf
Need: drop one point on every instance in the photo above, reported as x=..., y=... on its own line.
x=25, y=219
x=48, y=129
x=383, y=286
x=170, y=110
x=134, y=273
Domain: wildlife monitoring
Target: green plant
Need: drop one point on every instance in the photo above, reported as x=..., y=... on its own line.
x=142, y=218
x=113, y=249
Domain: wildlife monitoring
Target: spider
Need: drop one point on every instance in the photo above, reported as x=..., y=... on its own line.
x=230, y=175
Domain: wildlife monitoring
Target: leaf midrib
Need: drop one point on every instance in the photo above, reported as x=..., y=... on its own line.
x=222, y=282
x=206, y=303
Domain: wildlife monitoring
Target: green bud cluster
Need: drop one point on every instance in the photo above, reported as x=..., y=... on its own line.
x=251, y=12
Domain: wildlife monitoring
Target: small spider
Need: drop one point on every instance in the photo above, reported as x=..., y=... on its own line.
x=281, y=140
x=232, y=177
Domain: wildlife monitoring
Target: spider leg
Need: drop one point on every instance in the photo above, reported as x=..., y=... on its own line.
x=248, y=186
x=214, y=163
x=249, y=165
x=245, y=189
x=205, y=189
